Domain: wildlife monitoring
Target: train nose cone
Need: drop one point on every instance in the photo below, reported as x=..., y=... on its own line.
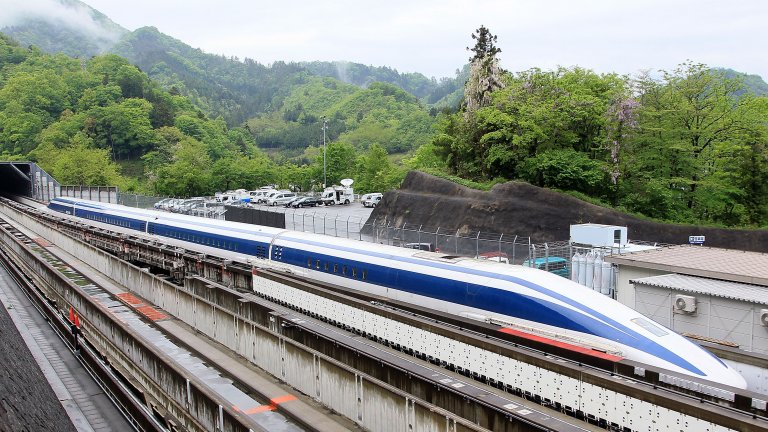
x=734, y=379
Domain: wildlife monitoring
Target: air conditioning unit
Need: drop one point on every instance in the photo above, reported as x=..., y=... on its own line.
x=685, y=304
x=764, y=317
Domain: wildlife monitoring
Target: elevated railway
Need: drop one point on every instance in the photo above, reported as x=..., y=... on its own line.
x=547, y=386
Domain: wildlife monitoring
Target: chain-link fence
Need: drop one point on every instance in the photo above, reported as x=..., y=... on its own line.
x=584, y=264
x=477, y=244
x=139, y=201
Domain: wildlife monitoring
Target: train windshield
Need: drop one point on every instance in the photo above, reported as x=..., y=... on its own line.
x=650, y=326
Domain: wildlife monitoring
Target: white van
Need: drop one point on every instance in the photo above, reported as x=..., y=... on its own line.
x=259, y=196
x=371, y=199
x=280, y=198
x=269, y=194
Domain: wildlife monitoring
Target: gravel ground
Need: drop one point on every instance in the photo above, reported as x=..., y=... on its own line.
x=27, y=402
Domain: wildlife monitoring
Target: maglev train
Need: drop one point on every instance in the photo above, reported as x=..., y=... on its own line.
x=517, y=297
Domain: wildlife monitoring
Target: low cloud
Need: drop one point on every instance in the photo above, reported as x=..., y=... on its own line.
x=68, y=13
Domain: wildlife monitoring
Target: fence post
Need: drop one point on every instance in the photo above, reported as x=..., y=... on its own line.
x=456, y=241
x=348, y=225
x=477, y=245
x=436, y=242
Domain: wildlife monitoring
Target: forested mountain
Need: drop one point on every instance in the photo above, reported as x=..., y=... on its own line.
x=753, y=84
x=68, y=27
x=86, y=122
x=435, y=93
x=379, y=114
x=228, y=87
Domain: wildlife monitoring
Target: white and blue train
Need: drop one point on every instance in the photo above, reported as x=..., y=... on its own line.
x=516, y=296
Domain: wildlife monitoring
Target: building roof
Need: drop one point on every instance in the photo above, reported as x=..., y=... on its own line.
x=725, y=264
x=713, y=287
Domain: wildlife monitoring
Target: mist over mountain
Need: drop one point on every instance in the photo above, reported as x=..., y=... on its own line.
x=60, y=26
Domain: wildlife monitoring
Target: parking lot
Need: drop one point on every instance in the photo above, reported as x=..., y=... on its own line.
x=336, y=220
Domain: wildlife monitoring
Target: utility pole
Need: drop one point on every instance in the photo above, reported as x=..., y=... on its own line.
x=325, y=126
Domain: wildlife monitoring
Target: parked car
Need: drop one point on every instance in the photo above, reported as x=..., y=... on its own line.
x=280, y=198
x=289, y=203
x=553, y=264
x=372, y=201
x=306, y=202
x=160, y=205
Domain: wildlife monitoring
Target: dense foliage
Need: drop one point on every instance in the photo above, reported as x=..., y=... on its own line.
x=82, y=120
x=688, y=147
x=380, y=114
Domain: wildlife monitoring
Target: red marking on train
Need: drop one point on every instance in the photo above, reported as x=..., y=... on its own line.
x=273, y=403
x=564, y=345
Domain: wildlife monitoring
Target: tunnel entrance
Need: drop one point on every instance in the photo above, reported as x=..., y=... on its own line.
x=27, y=179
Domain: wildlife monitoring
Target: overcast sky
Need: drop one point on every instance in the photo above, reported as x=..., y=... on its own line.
x=431, y=36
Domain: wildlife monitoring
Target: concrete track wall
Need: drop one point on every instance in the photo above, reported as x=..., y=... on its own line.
x=373, y=404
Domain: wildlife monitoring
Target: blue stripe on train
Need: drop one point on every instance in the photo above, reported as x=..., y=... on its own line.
x=463, y=293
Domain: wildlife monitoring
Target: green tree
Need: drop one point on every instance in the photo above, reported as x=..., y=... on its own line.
x=341, y=163
x=374, y=170
x=190, y=172
x=82, y=164
x=125, y=128
x=691, y=121
x=566, y=170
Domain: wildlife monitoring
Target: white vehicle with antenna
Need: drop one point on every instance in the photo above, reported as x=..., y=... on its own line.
x=343, y=194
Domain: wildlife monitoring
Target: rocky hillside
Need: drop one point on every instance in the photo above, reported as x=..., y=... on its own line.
x=522, y=209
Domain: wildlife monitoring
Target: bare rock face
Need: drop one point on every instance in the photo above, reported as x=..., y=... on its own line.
x=516, y=208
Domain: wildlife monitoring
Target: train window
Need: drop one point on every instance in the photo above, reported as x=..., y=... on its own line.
x=365, y=274
x=309, y=262
x=354, y=272
x=335, y=268
x=648, y=325
x=326, y=265
x=317, y=264
x=344, y=270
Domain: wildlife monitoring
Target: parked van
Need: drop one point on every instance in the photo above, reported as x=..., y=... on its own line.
x=556, y=265
x=343, y=194
x=371, y=199
x=259, y=196
x=281, y=198
x=269, y=194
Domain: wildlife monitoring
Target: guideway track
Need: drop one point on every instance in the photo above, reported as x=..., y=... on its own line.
x=90, y=303
x=135, y=413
